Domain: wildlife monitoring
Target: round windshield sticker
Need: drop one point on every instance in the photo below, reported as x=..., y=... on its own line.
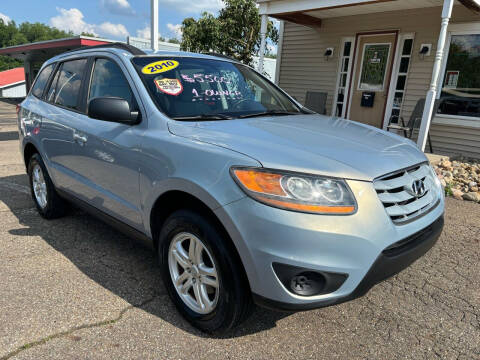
x=161, y=66
x=169, y=86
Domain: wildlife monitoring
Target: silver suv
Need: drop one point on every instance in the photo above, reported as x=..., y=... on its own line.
x=246, y=196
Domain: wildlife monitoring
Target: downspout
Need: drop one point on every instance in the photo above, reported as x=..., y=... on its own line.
x=263, y=42
x=432, y=92
x=279, y=52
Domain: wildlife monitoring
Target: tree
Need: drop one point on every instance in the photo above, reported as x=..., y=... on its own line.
x=235, y=32
x=173, y=41
x=11, y=35
x=40, y=32
x=202, y=35
x=84, y=33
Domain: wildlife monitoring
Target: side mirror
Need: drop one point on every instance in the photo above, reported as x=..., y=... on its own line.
x=112, y=109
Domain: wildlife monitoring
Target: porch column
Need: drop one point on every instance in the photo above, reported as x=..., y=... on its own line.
x=263, y=42
x=154, y=25
x=432, y=93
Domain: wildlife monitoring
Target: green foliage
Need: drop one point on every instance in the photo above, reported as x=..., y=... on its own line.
x=174, y=41
x=84, y=33
x=235, y=32
x=11, y=35
x=448, y=190
x=40, y=32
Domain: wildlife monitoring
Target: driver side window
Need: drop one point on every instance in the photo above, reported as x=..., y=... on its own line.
x=108, y=80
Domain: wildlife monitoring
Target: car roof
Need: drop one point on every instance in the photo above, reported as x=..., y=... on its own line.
x=131, y=51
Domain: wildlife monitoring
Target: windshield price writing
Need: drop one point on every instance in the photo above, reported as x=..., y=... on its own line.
x=215, y=94
x=206, y=78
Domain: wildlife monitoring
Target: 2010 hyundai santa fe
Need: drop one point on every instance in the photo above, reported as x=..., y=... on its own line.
x=246, y=196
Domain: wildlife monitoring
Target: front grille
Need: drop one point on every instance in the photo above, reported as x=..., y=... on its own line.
x=394, y=191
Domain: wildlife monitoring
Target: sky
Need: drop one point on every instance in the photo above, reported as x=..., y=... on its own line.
x=112, y=19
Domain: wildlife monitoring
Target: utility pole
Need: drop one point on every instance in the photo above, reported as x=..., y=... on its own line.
x=154, y=25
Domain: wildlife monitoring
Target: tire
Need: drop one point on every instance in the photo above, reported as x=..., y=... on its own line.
x=232, y=300
x=51, y=206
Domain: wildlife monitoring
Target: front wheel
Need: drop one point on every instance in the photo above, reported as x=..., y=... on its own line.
x=202, y=276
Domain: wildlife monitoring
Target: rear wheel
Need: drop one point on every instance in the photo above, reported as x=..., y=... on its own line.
x=48, y=202
x=202, y=276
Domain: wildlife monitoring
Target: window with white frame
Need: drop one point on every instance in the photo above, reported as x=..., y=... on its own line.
x=460, y=90
x=401, y=77
x=343, y=78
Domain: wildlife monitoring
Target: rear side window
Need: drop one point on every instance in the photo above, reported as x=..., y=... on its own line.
x=69, y=84
x=42, y=80
x=51, y=91
x=108, y=81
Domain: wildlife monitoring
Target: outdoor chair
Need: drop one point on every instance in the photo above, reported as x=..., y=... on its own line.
x=414, y=121
x=316, y=101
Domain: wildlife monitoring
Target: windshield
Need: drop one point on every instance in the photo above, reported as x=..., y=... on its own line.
x=193, y=88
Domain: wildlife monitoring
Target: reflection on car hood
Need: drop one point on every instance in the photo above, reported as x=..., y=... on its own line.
x=309, y=143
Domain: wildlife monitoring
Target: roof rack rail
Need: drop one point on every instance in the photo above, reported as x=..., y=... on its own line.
x=220, y=55
x=117, y=45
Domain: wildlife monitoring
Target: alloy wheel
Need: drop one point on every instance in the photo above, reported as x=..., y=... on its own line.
x=39, y=186
x=193, y=272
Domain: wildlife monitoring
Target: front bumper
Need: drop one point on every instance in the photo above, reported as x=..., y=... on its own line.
x=390, y=262
x=357, y=246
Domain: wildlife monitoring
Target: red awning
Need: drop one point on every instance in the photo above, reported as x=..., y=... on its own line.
x=42, y=50
x=43, y=45
x=11, y=76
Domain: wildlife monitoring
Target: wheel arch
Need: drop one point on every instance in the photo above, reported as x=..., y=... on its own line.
x=173, y=200
x=28, y=151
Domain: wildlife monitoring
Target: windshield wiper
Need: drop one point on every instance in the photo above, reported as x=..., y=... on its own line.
x=203, y=117
x=269, y=113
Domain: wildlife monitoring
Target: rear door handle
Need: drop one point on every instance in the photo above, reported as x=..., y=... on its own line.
x=81, y=140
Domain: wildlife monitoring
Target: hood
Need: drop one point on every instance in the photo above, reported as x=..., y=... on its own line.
x=312, y=144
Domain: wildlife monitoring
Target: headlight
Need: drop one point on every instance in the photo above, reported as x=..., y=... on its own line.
x=298, y=192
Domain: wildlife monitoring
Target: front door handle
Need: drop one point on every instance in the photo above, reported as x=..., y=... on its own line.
x=81, y=140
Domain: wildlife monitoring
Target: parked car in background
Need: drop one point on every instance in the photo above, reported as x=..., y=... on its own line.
x=246, y=196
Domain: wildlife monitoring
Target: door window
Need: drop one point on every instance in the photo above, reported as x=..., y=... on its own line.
x=374, y=67
x=108, y=81
x=69, y=84
x=42, y=80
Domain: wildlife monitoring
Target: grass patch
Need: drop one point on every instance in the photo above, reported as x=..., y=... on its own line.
x=448, y=190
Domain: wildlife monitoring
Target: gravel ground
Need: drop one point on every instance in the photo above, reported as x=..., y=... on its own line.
x=74, y=288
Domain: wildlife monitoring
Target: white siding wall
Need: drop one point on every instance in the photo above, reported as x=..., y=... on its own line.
x=14, y=91
x=269, y=67
x=303, y=66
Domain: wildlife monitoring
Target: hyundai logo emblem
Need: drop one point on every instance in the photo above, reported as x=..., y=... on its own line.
x=418, y=188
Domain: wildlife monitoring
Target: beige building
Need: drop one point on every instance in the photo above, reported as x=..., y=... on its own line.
x=376, y=59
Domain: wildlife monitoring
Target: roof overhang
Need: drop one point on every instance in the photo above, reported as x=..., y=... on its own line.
x=44, y=50
x=311, y=12
x=12, y=84
x=473, y=5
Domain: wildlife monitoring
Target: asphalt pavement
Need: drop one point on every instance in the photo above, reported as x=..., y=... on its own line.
x=74, y=288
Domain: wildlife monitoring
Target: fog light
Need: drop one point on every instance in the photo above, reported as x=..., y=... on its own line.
x=306, y=282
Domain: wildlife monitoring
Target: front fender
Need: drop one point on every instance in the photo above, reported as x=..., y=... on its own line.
x=178, y=184
x=172, y=163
